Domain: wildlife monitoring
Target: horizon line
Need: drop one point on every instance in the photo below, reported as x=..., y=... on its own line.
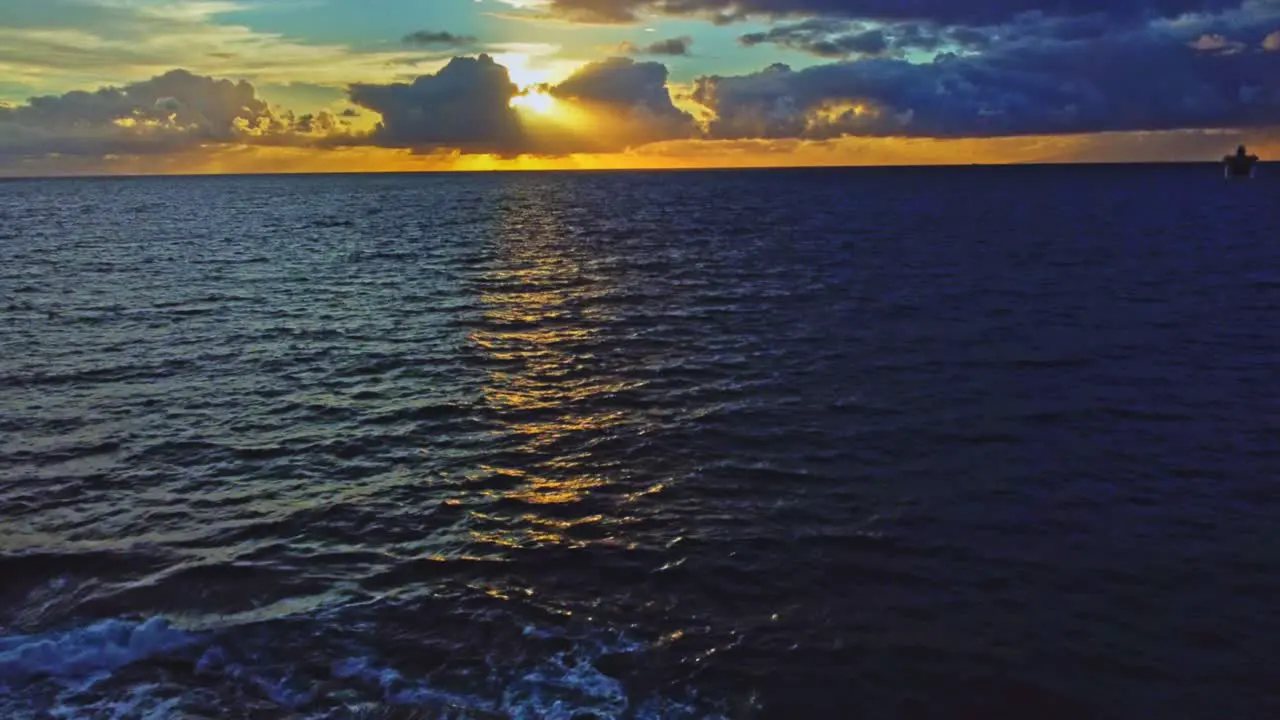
x=533, y=171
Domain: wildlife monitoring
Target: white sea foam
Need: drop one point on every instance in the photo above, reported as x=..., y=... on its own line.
x=141, y=704
x=71, y=670
x=79, y=652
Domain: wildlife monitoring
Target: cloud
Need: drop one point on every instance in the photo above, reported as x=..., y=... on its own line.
x=1142, y=79
x=831, y=37
x=437, y=38
x=1272, y=42
x=1216, y=43
x=835, y=36
x=172, y=112
x=678, y=46
x=945, y=12
x=321, y=123
x=824, y=37
x=467, y=105
x=634, y=92
x=622, y=82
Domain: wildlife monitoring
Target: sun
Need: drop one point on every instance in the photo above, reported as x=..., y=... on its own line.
x=535, y=101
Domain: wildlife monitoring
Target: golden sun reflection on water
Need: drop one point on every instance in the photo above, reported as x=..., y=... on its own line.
x=545, y=388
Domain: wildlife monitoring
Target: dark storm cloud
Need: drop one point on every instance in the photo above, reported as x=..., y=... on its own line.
x=678, y=46
x=946, y=12
x=467, y=105
x=638, y=89
x=437, y=38
x=621, y=82
x=1141, y=80
x=174, y=111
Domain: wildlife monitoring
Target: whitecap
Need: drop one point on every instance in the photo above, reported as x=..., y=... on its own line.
x=102, y=646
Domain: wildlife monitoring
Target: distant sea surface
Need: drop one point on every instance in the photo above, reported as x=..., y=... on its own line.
x=881, y=443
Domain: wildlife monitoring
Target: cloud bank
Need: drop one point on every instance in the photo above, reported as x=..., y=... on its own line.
x=885, y=68
x=466, y=106
x=1141, y=80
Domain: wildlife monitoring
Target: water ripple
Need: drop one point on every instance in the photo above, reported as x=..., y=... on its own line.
x=800, y=444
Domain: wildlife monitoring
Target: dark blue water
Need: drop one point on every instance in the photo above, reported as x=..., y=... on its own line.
x=980, y=442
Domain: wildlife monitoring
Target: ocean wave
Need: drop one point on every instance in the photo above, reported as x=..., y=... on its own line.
x=81, y=652
x=119, y=668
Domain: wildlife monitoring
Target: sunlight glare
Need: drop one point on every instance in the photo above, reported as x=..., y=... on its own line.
x=535, y=101
x=520, y=68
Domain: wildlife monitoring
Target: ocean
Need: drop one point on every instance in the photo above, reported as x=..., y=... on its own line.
x=866, y=443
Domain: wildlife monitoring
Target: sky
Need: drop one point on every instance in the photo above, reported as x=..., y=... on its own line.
x=228, y=86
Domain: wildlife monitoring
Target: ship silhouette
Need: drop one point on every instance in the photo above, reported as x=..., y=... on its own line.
x=1242, y=164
